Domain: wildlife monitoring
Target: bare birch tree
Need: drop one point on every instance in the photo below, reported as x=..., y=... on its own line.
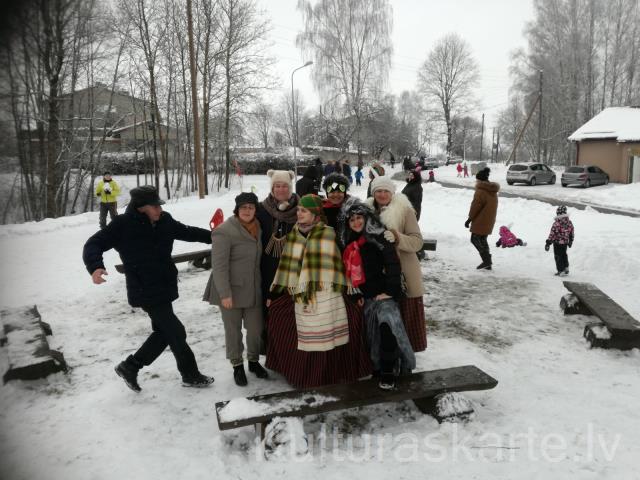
x=448, y=78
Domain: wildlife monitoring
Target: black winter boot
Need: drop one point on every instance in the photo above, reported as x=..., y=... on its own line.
x=239, y=376
x=128, y=371
x=197, y=381
x=258, y=370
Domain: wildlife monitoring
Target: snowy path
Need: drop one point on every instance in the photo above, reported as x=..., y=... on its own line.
x=558, y=411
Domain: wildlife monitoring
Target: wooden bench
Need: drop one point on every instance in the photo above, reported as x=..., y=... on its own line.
x=617, y=329
x=429, y=244
x=421, y=387
x=28, y=356
x=200, y=259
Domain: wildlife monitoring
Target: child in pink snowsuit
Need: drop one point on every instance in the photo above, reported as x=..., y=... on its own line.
x=508, y=239
x=466, y=171
x=459, y=169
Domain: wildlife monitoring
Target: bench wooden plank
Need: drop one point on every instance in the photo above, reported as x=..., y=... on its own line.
x=199, y=259
x=28, y=354
x=429, y=244
x=616, y=318
x=299, y=403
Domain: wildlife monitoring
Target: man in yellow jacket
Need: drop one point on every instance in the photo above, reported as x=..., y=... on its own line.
x=108, y=191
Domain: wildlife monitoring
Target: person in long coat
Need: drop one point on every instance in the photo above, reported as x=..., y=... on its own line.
x=144, y=236
x=413, y=191
x=482, y=216
x=399, y=217
x=235, y=286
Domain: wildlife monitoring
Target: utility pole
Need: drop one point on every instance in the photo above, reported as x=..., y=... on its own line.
x=482, y=137
x=194, y=104
x=493, y=142
x=497, y=143
x=539, y=118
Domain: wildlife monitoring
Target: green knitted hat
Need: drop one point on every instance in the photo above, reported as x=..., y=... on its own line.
x=313, y=203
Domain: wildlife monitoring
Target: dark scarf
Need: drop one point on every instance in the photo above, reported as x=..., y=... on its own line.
x=288, y=215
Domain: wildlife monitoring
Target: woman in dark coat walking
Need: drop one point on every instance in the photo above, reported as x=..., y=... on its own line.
x=413, y=191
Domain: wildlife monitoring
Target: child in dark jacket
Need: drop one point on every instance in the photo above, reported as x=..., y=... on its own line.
x=373, y=267
x=561, y=236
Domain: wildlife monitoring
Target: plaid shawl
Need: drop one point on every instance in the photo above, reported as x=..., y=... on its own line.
x=309, y=265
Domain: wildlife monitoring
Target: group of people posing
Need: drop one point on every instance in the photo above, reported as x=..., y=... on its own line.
x=330, y=289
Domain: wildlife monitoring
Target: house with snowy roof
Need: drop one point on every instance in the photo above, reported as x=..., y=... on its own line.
x=611, y=141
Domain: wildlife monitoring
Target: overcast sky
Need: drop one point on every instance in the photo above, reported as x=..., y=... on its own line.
x=493, y=28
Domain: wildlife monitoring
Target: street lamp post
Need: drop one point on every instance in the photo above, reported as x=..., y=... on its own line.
x=294, y=121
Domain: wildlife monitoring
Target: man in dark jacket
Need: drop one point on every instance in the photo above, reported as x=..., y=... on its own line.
x=143, y=236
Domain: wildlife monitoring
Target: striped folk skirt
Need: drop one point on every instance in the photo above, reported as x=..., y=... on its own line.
x=412, y=310
x=342, y=364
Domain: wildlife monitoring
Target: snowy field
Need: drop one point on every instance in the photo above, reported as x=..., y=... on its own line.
x=560, y=410
x=626, y=197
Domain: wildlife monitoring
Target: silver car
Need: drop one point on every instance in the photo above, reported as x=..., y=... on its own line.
x=531, y=173
x=584, y=176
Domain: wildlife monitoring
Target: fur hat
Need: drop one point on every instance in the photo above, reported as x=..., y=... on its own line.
x=483, y=174
x=383, y=183
x=561, y=210
x=245, y=198
x=283, y=176
x=373, y=226
x=333, y=181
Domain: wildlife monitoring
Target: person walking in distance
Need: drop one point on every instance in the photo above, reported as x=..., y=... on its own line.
x=144, y=236
x=108, y=191
x=482, y=216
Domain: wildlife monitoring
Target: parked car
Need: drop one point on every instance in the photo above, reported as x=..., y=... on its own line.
x=584, y=176
x=531, y=173
x=431, y=163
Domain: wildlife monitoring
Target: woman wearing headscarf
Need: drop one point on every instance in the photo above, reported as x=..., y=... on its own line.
x=372, y=266
x=314, y=337
x=277, y=216
x=398, y=216
x=234, y=285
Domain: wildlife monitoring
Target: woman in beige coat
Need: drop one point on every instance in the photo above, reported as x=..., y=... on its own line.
x=399, y=217
x=234, y=285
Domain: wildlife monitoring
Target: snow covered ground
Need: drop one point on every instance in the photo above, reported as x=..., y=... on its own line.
x=560, y=410
x=626, y=197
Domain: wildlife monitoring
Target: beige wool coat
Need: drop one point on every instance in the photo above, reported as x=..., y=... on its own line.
x=235, y=266
x=400, y=217
x=484, y=207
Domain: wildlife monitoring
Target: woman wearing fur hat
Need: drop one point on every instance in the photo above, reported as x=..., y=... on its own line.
x=277, y=216
x=336, y=186
x=375, y=171
x=234, y=285
x=482, y=216
x=398, y=216
x=312, y=340
x=372, y=265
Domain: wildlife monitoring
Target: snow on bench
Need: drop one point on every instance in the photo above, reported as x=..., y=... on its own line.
x=617, y=329
x=429, y=244
x=421, y=387
x=28, y=355
x=200, y=259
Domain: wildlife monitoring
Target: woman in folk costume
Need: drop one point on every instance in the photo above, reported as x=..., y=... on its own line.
x=314, y=337
x=398, y=216
x=372, y=265
x=277, y=216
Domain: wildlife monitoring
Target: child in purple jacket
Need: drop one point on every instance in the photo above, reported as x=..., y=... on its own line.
x=508, y=239
x=561, y=236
